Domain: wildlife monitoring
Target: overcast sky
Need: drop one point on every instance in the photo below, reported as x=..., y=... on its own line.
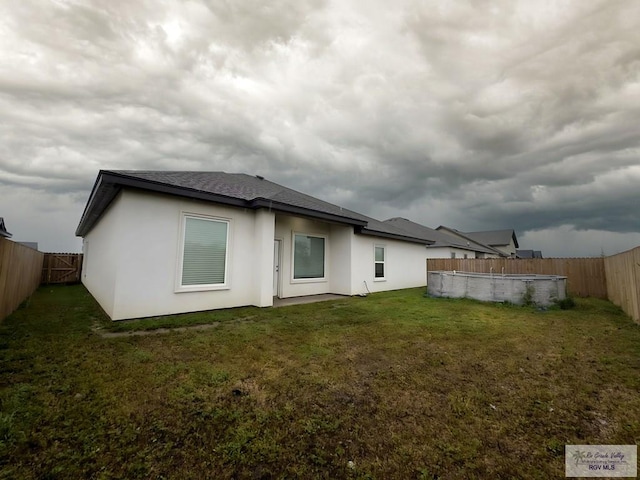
x=475, y=115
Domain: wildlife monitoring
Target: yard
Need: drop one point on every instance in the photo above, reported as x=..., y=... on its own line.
x=394, y=385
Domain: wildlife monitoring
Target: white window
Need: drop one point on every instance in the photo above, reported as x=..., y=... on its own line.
x=453, y=254
x=378, y=262
x=204, y=253
x=308, y=256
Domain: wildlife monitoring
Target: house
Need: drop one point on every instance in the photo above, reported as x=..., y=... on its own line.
x=503, y=241
x=159, y=243
x=529, y=253
x=3, y=230
x=445, y=245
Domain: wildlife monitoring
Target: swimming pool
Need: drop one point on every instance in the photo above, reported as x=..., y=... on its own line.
x=541, y=290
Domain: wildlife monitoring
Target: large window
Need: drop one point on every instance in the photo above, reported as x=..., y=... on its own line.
x=204, y=252
x=378, y=261
x=308, y=256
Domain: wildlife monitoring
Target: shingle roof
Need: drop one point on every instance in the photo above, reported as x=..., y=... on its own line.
x=378, y=228
x=236, y=189
x=3, y=230
x=529, y=253
x=440, y=239
x=494, y=237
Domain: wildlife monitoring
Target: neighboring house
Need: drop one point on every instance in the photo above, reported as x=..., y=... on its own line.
x=503, y=241
x=445, y=245
x=33, y=245
x=158, y=243
x=3, y=230
x=529, y=253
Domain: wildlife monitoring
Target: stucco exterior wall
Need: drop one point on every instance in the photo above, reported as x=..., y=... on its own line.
x=507, y=249
x=133, y=258
x=445, y=252
x=285, y=228
x=404, y=265
x=340, y=261
x=101, y=248
x=146, y=257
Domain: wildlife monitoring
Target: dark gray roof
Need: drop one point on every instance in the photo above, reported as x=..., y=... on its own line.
x=464, y=236
x=529, y=253
x=235, y=189
x=494, y=237
x=383, y=229
x=3, y=230
x=440, y=239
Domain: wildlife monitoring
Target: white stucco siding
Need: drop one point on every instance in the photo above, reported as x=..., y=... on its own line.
x=148, y=251
x=404, y=264
x=508, y=249
x=134, y=257
x=286, y=227
x=263, y=263
x=101, y=250
x=340, y=260
x=445, y=252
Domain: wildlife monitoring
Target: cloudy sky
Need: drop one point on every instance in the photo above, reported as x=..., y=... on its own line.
x=472, y=114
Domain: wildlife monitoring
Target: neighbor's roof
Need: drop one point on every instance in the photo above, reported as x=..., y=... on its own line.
x=494, y=237
x=529, y=253
x=440, y=239
x=234, y=189
x=467, y=238
x=3, y=230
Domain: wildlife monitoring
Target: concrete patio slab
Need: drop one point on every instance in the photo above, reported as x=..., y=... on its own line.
x=283, y=302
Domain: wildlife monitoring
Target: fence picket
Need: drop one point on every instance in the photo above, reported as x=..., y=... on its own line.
x=20, y=268
x=585, y=276
x=61, y=268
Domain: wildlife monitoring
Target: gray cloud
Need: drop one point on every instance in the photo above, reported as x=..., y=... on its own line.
x=489, y=114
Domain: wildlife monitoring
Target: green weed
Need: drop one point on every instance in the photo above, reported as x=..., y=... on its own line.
x=395, y=385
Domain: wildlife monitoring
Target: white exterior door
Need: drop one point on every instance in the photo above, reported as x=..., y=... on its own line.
x=276, y=267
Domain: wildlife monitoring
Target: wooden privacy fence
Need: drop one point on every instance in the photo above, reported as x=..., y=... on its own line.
x=585, y=276
x=61, y=268
x=20, y=268
x=623, y=281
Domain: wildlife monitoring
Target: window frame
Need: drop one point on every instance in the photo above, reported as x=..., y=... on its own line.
x=179, y=287
x=383, y=278
x=293, y=258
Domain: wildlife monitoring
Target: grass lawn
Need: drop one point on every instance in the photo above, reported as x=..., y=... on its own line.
x=394, y=385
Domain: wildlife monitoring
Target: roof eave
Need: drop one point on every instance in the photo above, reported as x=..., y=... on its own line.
x=306, y=212
x=117, y=180
x=80, y=231
x=376, y=233
x=492, y=250
x=515, y=239
x=106, y=179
